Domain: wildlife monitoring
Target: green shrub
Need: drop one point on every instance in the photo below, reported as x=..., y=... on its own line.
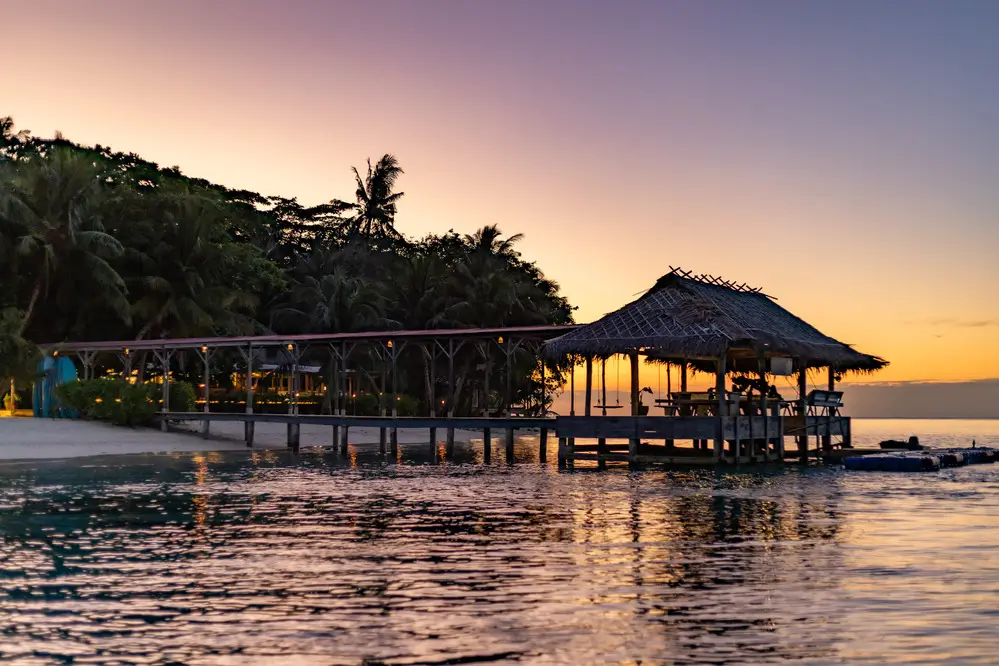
x=181, y=397
x=114, y=400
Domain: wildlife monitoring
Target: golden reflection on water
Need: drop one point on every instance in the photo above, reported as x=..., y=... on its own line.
x=266, y=555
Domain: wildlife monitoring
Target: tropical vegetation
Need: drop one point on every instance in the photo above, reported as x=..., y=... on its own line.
x=103, y=245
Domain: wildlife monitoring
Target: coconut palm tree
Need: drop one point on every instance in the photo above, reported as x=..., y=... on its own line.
x=489, y=241
x=51, y=202
x=375, y=207
x=333, y=303
x=185, y=266
x=8, y=137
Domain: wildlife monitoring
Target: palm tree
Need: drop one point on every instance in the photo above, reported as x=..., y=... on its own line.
x=375, y=208
x=332, y=303
x=186, y=268
x=51, y=202
x=488, y=240
x=8, y=137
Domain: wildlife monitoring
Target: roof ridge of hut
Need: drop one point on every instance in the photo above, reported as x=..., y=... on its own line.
x=707, y=278
x=688, y=315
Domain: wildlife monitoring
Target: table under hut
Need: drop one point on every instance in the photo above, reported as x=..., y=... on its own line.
x=701, y=323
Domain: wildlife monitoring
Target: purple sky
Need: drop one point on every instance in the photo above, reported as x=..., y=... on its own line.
x=842, y=155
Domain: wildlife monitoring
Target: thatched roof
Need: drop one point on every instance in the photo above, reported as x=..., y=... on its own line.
x=698, y=317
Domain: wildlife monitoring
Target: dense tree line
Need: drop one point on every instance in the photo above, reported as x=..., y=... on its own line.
x=102, y=245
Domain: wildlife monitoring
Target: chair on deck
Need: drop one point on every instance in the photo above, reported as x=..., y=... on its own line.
x=821, y=401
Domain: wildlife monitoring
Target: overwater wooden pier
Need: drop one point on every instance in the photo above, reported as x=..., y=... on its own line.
x=687, y=323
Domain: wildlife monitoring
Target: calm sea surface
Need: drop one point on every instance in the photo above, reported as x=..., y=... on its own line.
x=269, y=558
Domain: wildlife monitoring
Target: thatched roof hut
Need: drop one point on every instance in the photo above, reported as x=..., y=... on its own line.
x=701, y=318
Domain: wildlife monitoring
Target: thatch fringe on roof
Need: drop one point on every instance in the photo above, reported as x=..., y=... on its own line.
x=686, y=318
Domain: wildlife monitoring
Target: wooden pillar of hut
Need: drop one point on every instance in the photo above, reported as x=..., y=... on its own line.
x=602, y=441
x=802, y=434
x=572, y=389
x=589, y=387
x=827, y=436
x=721, y=408
x=633, y=442
x=762, y=370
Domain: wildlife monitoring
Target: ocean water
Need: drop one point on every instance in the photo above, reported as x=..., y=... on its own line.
x=265, y=557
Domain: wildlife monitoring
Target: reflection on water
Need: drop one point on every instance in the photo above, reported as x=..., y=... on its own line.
x=236, y=558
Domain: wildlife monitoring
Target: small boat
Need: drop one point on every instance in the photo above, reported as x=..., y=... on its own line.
x=897, y=444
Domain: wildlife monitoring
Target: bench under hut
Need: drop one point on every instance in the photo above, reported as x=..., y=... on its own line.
x=713, y=325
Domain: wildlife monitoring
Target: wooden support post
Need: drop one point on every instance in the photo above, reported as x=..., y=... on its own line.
x=542, y=410
x=432, y=391
x=206, y=359
x=294, y=436
x=394, y=434
x=634, y=441
x=345, y=440
x=589, y=386
x=543, y=446
x=164, y=358
x=382, y=432
x=248, y=426
x=335, y=388
x=601, y=441
x=802, y=435
x=450, y=398
x=721, y=409
x=827, y=437
x=509, y=445
x=563, y=444
x=572, y=388
x=761, y=362
x=487, y=445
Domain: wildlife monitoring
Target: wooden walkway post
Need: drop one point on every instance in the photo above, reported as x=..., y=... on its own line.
x=164, y=358
x=205, y=355
x=248, y=426
x=394, y=351
x=432, y=392
x=382, y=431
x=294, y=429
x=510, y=350
x=450, y=397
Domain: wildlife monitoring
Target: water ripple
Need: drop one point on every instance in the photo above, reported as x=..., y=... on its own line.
x=250, y=558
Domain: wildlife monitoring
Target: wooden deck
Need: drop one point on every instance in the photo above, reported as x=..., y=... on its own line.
x=634, y=439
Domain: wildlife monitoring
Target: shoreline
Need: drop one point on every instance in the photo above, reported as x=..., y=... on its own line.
x=42, y=439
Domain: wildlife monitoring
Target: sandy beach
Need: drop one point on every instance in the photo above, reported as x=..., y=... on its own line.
x=30, y=438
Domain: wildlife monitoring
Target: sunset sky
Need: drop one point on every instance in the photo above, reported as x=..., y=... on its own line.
x=844, y=156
